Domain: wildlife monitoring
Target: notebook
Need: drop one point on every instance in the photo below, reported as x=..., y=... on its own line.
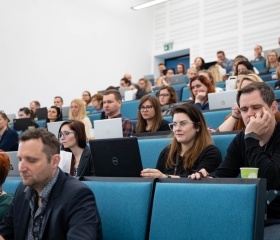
x=53, y=127
x=42, y=113
x=177, y=79
x=108, y=128
x=122, y=91
x=118, y=157
x=22, y=124
x=14, y=172
x=219, y=100
x=65, y=111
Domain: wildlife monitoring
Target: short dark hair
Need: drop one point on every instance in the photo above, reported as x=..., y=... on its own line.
x=50, y=142
x=266, y=92
x=59, y=98
x=221, y=52
x=115, y=92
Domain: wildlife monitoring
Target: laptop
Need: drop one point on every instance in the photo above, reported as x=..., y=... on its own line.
x=118, y=157
x=42, y=113
x=122, y=91
x=22, y=124
x=14, y=172
x=130, y=95
x=219, y=100
x=53, y=127
x=108, y=128
x=65, y=111
x=177, y=79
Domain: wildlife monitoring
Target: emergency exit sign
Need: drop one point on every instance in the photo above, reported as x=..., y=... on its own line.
x=168, y=46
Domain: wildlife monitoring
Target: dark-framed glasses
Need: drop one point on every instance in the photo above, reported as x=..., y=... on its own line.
x=145, y=108
x=64, y=134
x=174, y=125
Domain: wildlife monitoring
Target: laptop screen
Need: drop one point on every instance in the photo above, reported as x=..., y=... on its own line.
x=108, y=128
x=116, y=157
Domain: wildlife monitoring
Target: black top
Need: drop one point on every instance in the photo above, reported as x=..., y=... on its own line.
x=85, y=167
x=210, y=158
x=162, y=127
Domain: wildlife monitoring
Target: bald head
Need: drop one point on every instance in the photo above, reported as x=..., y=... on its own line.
x=127, y=76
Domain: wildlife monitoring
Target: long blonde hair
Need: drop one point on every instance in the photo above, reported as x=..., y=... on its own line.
x=202, y=138
x=82, y=110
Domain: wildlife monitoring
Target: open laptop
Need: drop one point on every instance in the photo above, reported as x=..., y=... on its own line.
x=42, y=113
x=130, y=95
x=122, y=91
x=22, y=124
x=14, y=172
x=118, y=157
x=53, y=127
x=108, y=128
x=65, y=112
x=177, y=79
x=221, y=100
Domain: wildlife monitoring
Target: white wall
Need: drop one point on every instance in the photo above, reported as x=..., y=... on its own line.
x=62, y=47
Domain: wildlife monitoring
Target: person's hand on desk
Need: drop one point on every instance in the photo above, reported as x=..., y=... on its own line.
x=202, y=173
x=155, y=173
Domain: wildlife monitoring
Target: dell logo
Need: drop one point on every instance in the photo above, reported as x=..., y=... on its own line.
x=115, y=161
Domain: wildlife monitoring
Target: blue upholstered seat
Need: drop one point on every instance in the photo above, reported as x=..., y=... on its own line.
x=130, y=109
x=225, y=209
x=124, y=205
x=11, y=185
x=222, y=142
x=215, y=118
x=185, y=94
x=94, y=116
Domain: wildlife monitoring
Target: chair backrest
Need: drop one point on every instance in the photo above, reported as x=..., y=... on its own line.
x=222, y=142
x=10, y=185
x=129, y=109
x=94, y=116
x=185, y=94
x=216, y=117
x=124, y=206
x=208, y=209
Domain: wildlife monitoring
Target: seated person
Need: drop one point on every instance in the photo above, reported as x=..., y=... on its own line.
x=58, y=101
x=209, y=76
x=236, y=60
x=34, y=106
x=8, y=136
x=277, y=84
x=144, y=88
x=198, y=63
x=191, y=73
x=86, y=97
x=73, y=139
x=25, y=112
x=216, y=73
x=165, y=79
x=97, y=102
x=240, y=76
x=244, y=65
x=234, y=120
x=167, y=98
x=200, y=87
x=181, y=69
x=191, y=149
x=112, y=102
x=124, y=82
x=258, y=144
x=271, y=60
x=54, y=115
x=5, y=199
x=149, y=116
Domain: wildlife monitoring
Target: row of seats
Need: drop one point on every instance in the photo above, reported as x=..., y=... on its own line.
x=139, y=208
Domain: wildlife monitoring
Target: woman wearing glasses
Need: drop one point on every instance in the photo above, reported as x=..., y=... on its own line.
x=167, y=98
x=8, y=136
x=149, y=116
x=191, y=148
x=73, y=139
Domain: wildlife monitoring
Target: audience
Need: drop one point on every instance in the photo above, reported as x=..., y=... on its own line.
x=73, y=139
x=25, y=112
x=244, y=65
x=272, y=59
x=34, y=106
x=144, y=88
x=112, y=102
x=200, y=87
x=258, y=54
x=240, y=76
x=198, y=63
x=5, y=198
x=78, y=112
x=222, y=60
x=191, y=73
x=209, y=76
x=181, y=69
x=86, y=97
x=128, y=77
x=161, y=68
x=237, y=59
x=191, y=149
x=167, y=98
x=216, y=73
x=97, y=102
x=54, y=115
x=58, y=101
x=8, y=136
x=124, y=82
x=149, y=116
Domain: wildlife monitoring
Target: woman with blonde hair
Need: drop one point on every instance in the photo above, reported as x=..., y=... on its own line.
x=5, y=199
x=78, y=112
x=144, y=87
x=271, y=59
x=149, y=116
x=191, y=148
x=217, y=76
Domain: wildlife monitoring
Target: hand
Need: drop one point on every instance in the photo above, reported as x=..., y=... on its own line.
x=201, y=96
x=202, y=173
x=219, y=61
x=152, y=173
x=260, y=123
x=235, y=111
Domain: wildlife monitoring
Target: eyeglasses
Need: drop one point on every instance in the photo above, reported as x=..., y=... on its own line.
x=163, y=95
x=64, y=134
x=174, y=125
x=145, y=108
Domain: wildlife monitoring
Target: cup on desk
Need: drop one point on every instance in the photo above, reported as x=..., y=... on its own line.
x=247, y=172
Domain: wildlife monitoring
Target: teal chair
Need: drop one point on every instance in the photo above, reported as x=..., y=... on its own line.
x=185, y=94
x=10, y=185
x=124, y=206
x=94, y=116
x=214, y=209
x=129, y=109
x=215, y=118
x=222, y=142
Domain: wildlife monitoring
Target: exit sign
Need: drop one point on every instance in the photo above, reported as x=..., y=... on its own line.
x=168, y=46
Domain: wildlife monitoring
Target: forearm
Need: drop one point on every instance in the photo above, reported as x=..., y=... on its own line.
x=228, y=124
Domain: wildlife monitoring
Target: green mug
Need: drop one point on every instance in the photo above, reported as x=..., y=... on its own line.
x=247, y=172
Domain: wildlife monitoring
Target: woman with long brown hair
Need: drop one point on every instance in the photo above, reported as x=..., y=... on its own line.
x=191, y=148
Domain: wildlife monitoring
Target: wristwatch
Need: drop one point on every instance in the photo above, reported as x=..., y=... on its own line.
x=252, y=135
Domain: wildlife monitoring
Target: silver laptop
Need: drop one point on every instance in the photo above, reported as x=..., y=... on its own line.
x=221, y=100
x=53, y=127
x=122, y=91
x=14, y=172
x=65, y=111
x=177, y=79
x=108, y=128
